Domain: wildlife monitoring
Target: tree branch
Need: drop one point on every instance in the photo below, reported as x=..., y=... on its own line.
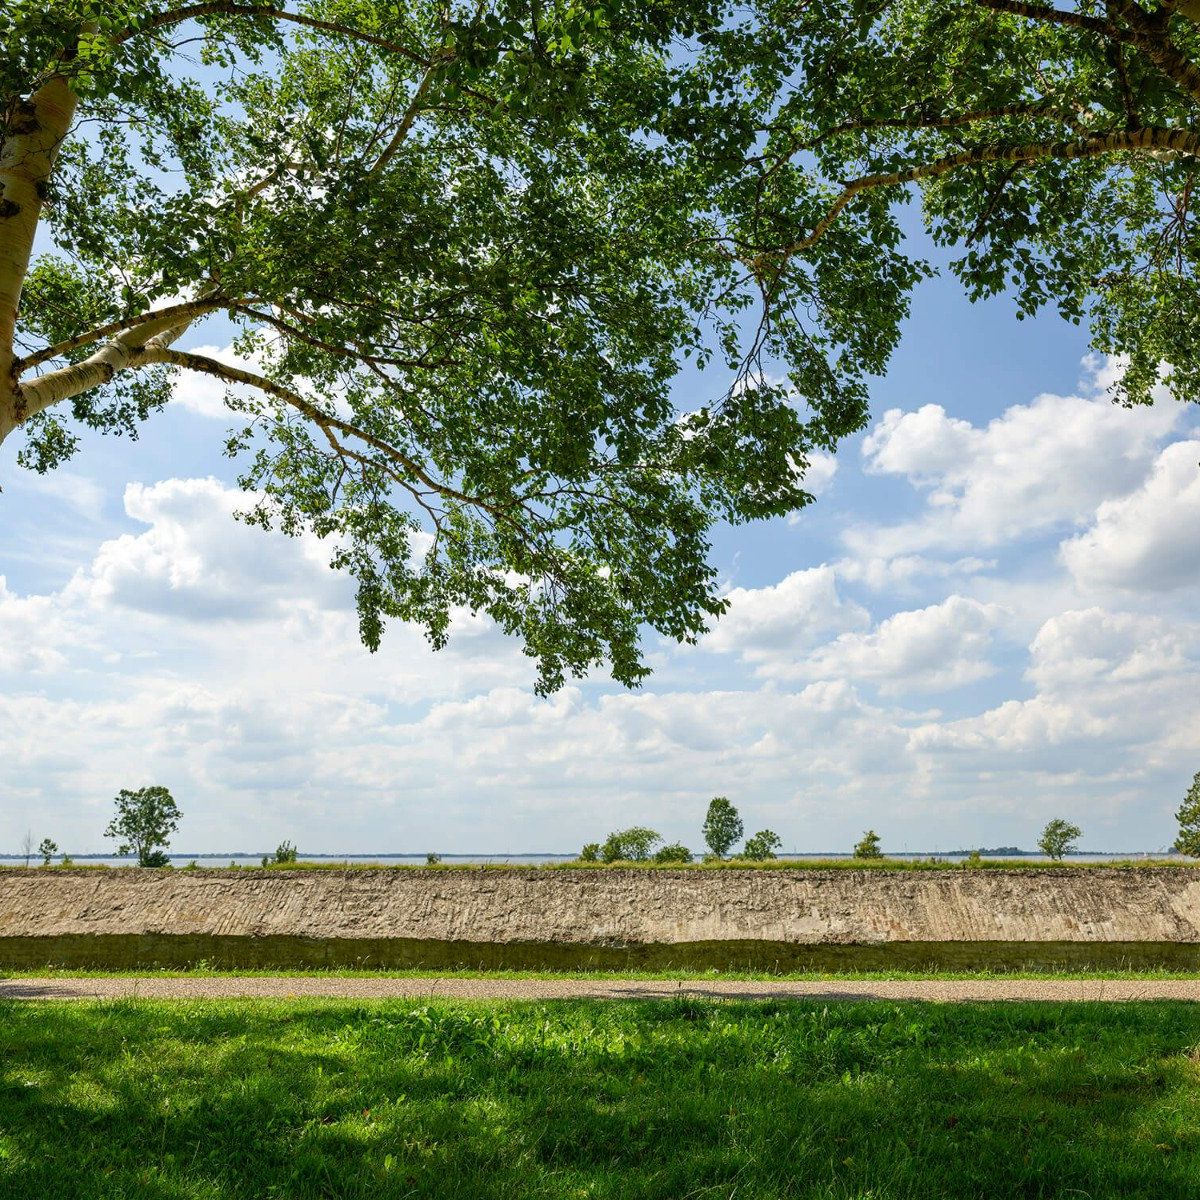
x=1152, y=36
x=172, y=313
x=1039, y=109
x=229, y=8
x=1056, y=16
x=1177, y=141
x=326, y=421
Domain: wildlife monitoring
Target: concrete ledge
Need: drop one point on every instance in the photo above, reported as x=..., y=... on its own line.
x=612, y=908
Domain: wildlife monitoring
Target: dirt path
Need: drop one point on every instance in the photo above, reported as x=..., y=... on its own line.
x=333, y=987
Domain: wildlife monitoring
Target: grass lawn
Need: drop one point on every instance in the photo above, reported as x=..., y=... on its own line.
x=672, y=1099
x=205, y=971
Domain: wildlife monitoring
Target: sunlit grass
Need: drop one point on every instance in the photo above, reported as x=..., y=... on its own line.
x=647, y=1099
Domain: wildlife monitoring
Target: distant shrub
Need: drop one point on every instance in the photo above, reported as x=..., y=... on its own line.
x=432, y=860
x=974, y=859
x=285, y=853
x=1188, y=816
x=1058, y=838
x=590, y=852
x=47, y=850
x=673, y=852
x=143, y=824
x=868, y=846
x=722, y=826
x=630, y=845
x=762, y=846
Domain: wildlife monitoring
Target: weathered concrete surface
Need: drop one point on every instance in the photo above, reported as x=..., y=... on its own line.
x=613, y=907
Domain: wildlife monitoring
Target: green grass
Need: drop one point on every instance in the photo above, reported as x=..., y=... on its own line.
x=207, y=971
x=678, y=1100
x=933, y=863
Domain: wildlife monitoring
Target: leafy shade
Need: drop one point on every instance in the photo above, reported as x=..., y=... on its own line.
x=1188, y=816
x=1058, y=838
x=143, y=824
x=722, y=826
x=868, y=846
x=1054, y=148
x=466, y=248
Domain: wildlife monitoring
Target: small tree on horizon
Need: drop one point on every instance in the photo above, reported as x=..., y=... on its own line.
x=630, y=845
x=722, y=826
x=868, y=846
x=673, y=852
x=47, y=849
x=144, y=823
x=1188, y=816
x=1058, y=838
x=762, y=846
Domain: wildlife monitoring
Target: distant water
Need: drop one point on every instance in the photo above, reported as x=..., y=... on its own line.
x=516, y=860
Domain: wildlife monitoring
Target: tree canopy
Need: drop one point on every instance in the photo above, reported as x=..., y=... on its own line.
x=1054, y=150
x=465, y=247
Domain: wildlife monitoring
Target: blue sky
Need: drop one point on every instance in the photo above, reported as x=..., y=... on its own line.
x=988, y=618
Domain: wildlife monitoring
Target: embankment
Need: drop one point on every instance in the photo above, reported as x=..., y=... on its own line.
x=776, y=919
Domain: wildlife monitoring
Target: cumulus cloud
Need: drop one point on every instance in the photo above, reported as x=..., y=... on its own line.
x=1148, y=540
x=1036, y=467
x=197, y=561
x=204, y=395
x=771, y=625
x=931, y=649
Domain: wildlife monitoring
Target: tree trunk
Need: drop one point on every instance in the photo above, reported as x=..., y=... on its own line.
x=31, y=141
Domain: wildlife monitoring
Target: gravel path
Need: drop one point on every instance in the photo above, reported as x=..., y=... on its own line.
x=340, y=988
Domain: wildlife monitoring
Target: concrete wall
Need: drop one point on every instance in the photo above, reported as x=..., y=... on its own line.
x=613, y=907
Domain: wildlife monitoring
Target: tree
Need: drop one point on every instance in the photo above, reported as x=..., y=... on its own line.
x=465, y=248
x=1054, y=149
x=143, y=824
x=673, y=852
x=590, y=853
x=285, y=854
x=1058, y=838
x=47, y=849
x=722, y=826
x=868, y=846
x=1188, y=816
x=630, y=845
x=762, y=846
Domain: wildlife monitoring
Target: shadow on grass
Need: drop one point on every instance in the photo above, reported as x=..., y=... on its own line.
x=669, y=1099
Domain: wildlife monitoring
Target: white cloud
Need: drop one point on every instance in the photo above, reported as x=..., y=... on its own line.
x=196, y=561
x=1092, y=646
x=204, y=395
x=1149, y=540
x=771, y=625
x=1036, y=467
x=929, y=649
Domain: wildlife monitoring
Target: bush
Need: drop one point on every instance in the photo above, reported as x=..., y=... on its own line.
x=432, y=860
x=869, y=846
x=673, y=852
x=762, y=846
x=1188, y=816
x=1058, y=838
x=47, y=850
x=144, y=822
x=590, y=852
x=285, y=853
x=722, y=826
x=630, y=845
